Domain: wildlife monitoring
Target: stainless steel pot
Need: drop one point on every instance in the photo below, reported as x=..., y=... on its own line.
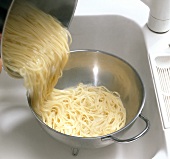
x=112, y=72
x=63, y=10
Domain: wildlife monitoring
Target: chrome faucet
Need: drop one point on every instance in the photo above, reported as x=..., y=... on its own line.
x=159, y=17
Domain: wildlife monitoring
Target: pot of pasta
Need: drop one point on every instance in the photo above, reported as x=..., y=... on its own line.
x=83, y=98
x=63, y=10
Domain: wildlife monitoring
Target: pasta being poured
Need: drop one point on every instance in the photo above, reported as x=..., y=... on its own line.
x=36, y=46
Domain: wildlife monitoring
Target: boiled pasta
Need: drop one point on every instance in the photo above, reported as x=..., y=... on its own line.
x=36, y=47
x=85, y=111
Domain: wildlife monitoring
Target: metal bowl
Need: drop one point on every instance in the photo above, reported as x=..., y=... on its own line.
x=101, y=68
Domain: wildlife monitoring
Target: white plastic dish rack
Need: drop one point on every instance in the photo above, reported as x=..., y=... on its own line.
x=160, y=66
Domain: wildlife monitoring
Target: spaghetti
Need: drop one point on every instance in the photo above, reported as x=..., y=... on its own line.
x=86, y=111
x=36, y=46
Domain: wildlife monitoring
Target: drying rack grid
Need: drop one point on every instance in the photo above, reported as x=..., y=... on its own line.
x=160, y=65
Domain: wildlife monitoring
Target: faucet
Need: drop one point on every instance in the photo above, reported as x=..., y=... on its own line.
x=159, y=17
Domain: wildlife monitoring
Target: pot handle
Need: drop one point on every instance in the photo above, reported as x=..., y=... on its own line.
x=133, y=138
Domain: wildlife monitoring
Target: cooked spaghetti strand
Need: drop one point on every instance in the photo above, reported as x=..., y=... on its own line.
x=36, y=46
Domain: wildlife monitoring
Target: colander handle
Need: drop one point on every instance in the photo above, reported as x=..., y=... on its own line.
x=133, y=138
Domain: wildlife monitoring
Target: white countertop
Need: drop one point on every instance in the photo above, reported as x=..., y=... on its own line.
x=129, y=9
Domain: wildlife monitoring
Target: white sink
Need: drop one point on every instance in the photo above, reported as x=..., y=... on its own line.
x=22, y=137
